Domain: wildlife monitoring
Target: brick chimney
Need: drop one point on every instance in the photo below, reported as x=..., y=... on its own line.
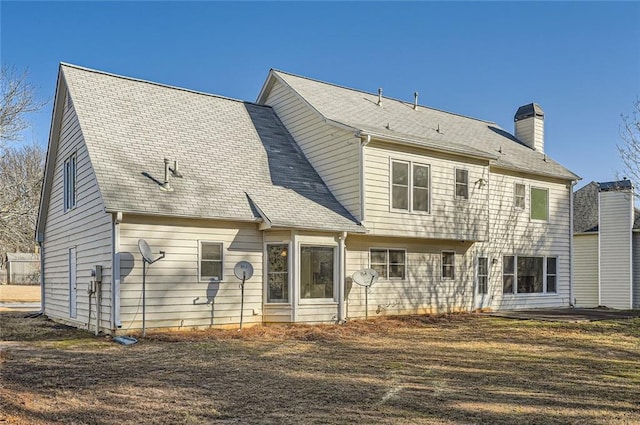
x=529, y=126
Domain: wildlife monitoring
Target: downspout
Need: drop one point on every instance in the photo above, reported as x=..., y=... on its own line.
x=571, y=300
x=365, y=141
x=115, y=273
x=42, y=298
x=341, y=278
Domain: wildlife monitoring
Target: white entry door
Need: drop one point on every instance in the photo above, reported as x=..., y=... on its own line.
x=483, y=300
x=73, y=284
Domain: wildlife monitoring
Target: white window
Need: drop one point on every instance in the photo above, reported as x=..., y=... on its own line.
x=317, y=277
x=528, y=275
x=483, y=275
x=70, y=173
x=539, y=204
x=462, y=184
x=448, y=264
x=210, y=260
x=278, y=273
x=519, y=191
x=410, y=186
x=389, y=263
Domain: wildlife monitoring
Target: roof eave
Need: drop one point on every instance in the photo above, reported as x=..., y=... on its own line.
x=568, y=177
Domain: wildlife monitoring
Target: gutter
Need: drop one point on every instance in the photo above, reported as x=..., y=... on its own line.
x=40, y=240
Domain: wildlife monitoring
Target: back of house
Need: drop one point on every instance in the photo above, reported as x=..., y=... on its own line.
x=310, y=184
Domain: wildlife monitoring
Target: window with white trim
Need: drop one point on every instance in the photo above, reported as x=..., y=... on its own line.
x=528, y=274
x=483, y=275
x=389, y=263
x=462, y=183
x=210, y=259
x=70, y=176
x=519, y=191
x=448, y=264
x=539, y=204
x=278, y=273
x=410, y=186
x=317, y=277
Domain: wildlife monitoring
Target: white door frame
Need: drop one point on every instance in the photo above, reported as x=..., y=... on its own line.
x=482, y=300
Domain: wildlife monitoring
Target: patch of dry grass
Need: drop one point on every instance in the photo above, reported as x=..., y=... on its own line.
x=409, y=370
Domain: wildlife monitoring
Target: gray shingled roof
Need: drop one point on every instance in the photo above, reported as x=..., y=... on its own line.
x=234, y=156
x=427, y=126
x=585, y=206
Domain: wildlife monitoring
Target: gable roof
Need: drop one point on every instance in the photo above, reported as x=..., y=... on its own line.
x=585, y=205
x=237, y=160
x=396, y=120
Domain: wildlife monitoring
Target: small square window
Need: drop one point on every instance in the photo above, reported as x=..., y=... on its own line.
x=211, y=261
x=462, y=184
x=389, y=263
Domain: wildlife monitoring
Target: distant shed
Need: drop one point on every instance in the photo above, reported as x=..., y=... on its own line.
x=23, y=269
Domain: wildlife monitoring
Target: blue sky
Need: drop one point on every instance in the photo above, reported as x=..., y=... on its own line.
x=580, y=61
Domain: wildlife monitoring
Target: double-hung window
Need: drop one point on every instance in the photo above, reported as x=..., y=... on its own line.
x=70, y=176
x=529, y=274
x=210, y=260
x=389, y=263
x=518, y=195
x=462, y=184
x=410, y=186
x=317, y=276
x=448, y=264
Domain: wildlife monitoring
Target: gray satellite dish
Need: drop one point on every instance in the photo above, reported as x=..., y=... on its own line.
x=243, y=270
x=145, y=250
x=366, y=278
x=147, y=257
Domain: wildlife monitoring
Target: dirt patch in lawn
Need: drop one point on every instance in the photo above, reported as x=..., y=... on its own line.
x=410, y=370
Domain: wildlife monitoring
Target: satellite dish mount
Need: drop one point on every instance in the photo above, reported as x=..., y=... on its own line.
x=243, y=271
x=147, y=257
x=366, y=278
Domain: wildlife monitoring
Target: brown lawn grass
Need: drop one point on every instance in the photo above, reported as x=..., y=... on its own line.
x=19, y=293
x=458, y=369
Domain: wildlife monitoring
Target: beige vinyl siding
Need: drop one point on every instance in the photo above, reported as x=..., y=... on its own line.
x=512, y=232
x=585, y=270
x=331, y=151
x=423, y=290
x=615, y=218
x=175, y=298
x=636, y=270
x=449, y=218
x=86, y=227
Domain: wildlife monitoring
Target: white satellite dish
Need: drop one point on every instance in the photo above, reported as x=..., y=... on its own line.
x=147, y=257
x=366, y=278
x=243, y=270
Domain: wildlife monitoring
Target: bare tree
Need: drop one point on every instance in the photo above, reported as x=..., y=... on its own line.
x=629, y=150
x=21, y=172
x=18, y=99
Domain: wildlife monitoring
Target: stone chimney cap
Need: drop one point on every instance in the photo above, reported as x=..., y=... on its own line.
x=528, y=111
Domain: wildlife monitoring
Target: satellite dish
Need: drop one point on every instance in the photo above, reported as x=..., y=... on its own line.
x=147, y=257
x=243, y=270
x=365, y=277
